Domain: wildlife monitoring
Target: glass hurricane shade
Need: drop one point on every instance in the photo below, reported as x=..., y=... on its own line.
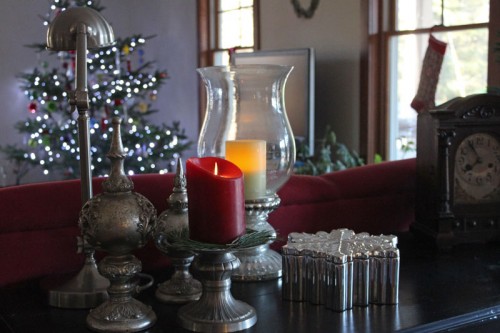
x=246, y=102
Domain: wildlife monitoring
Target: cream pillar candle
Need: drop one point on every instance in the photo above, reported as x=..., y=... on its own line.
x=250, y=157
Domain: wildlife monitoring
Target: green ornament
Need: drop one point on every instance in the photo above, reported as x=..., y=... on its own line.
x=51, y=106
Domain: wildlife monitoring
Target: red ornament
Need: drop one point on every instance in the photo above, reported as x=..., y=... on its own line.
x=104, y=125
x=118, y=102
x=72, y=54
x=33, y=107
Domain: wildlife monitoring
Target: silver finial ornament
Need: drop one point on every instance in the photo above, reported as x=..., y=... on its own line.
x=119, y=221
x=182, y=287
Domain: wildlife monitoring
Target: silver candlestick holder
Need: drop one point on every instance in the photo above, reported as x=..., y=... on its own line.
x=182, y=286
x=259, y=263
x=216, y=310
x=118, y=221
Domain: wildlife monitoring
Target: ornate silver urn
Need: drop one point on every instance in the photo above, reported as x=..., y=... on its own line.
x=119, y=221
x=182, y=287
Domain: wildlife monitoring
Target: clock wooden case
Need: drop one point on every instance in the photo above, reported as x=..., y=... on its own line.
x=458, y=171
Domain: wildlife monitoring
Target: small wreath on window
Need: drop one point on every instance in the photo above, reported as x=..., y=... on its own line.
x=302, y=12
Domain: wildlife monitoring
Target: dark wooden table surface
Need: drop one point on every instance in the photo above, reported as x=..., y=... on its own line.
x=459, y=290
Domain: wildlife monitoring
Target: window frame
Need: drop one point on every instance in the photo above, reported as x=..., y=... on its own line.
x=208, y=33
x=380, y=26
x=207, y=38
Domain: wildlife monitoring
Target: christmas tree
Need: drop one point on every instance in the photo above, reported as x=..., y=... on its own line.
x=119, y=84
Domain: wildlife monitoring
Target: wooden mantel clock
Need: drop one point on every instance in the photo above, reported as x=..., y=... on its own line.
x=458, y=171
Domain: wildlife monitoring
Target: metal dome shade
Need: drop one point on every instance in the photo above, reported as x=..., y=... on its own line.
x=62, y=31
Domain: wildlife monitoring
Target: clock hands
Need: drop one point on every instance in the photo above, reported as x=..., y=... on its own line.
x=479, y=160
x=471, y=145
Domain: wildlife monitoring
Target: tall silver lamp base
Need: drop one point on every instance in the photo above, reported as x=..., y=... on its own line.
x=216, y=310
x=87, y=289
x=259, y=263
x=77, y=29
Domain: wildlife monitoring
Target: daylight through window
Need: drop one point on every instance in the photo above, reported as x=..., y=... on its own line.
x=463, y=26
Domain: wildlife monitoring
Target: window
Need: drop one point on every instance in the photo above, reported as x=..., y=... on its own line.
x=399, y=32
x=464, y=67
x=226, y=26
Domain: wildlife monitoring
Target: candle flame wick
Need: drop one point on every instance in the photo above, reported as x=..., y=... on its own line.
x=216, y=169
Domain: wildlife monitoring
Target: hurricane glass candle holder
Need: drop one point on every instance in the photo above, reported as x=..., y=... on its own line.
x=246, y=123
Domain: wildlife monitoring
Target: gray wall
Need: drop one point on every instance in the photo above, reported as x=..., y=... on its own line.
x=334, y=32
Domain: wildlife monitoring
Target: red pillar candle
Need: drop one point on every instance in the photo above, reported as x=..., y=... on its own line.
x=216, y=200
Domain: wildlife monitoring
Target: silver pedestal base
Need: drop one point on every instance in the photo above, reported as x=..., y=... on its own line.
x=173, y=292
x=195, y=318
x=182, y=287
x=85, y=290
x=258, y=264
x=216, y=310
x=122, y=312
x=130, y=316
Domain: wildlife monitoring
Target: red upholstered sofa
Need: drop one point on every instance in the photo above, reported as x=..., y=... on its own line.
x=38, y=222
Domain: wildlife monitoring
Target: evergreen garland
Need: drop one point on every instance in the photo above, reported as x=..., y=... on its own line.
x=179, y=240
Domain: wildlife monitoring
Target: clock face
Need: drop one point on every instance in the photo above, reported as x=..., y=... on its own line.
x=477, y=170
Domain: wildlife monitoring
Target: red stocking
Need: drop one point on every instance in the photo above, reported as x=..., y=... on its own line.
x=424, y=100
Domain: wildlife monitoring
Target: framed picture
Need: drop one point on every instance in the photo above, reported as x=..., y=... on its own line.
x=299, y=88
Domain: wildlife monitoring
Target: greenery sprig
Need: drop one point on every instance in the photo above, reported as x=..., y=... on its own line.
x=332, y=156
x=180, y=241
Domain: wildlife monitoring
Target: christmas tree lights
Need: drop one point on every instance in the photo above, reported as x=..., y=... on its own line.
x=120, y=83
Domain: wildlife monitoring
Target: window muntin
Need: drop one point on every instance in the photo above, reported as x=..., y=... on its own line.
x=235, y=28
x=421, y=14
x=464, y=69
